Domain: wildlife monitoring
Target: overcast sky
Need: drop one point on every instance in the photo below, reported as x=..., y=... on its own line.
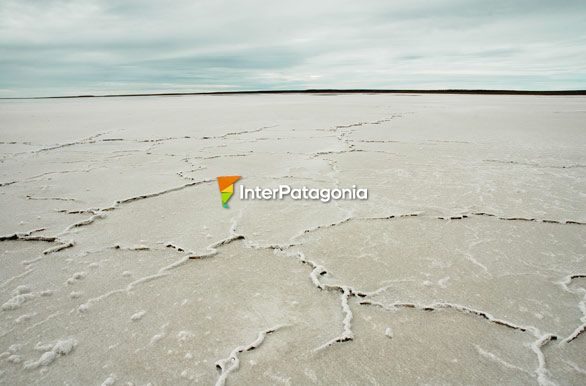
x=120, y=46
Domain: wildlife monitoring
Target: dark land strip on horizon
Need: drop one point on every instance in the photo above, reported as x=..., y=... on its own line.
x=325, y=91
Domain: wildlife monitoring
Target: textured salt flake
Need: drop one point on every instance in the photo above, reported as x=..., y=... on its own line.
x=183, y=336
x=14, y=359
x=22, y=289
x=23, y=318
x=109, y=381
x=45, y=360
x=64, y=347
x=16, y=302
x=59, y=348
x=138, y=316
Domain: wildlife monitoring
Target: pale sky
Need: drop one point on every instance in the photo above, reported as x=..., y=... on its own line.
x=50, y=48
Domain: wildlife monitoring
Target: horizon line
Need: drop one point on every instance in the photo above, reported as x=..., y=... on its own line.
x=325, y=91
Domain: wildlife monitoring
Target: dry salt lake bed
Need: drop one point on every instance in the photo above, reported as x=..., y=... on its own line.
x=466, y=265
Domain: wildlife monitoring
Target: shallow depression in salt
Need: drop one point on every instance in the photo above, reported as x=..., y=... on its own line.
x=465, y=265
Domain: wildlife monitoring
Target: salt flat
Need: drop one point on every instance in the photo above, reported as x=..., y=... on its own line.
x=466, y=265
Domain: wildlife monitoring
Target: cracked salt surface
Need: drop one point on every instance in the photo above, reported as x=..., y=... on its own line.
x=466, y=265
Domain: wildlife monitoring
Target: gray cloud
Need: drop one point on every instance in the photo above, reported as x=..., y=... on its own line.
x=95, y=47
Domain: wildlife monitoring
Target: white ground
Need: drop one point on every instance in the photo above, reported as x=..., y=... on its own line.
x=466, y=264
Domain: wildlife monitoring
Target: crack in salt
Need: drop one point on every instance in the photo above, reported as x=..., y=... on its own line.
x=232, y=362
x=565, y=284
x=347, y=334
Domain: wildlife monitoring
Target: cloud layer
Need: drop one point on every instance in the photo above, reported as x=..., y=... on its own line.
x=102, y=47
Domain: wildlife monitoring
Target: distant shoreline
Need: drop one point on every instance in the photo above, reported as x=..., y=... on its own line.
x=321, y=91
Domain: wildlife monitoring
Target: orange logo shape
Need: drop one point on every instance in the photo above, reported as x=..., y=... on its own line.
x=226, y=185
